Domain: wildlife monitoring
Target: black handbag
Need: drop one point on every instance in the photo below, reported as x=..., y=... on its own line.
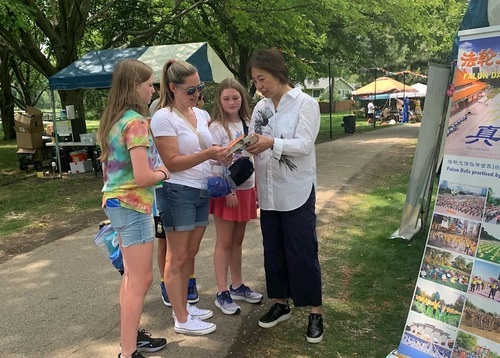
x=242, y=168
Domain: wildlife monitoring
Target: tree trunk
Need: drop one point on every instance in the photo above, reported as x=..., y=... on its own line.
x=6, y=98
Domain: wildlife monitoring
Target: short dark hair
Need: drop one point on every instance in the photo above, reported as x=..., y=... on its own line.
x=270, y=60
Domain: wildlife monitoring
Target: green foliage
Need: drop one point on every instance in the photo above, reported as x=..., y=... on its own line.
x=15, y=16
x=351, y=36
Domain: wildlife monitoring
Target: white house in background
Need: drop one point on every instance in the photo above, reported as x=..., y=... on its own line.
x=316, y=88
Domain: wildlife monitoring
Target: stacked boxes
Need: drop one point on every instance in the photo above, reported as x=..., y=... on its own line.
x=29, y=128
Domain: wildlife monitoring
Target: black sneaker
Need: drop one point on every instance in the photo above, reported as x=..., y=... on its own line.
x=147, y=344
x=315, y=328
x=134, y=355
x=278, y=312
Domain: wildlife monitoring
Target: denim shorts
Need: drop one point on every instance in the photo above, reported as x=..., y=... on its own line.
x=133, y=227
x=182, y=208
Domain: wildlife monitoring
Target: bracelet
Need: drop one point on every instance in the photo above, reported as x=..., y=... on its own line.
x=164, y=174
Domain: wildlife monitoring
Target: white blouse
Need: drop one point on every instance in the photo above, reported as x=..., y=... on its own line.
x=286, y=174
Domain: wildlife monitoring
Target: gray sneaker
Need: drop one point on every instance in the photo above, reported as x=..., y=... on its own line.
x=244, y=293
x=224, y=301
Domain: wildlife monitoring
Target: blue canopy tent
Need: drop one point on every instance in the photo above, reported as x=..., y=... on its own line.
x=95, y=69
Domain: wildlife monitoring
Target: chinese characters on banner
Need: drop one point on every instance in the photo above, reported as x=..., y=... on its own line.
x=455, y=309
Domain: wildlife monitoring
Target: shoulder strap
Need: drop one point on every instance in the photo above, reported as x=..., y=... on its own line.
x=245, y=127
x=203, y=145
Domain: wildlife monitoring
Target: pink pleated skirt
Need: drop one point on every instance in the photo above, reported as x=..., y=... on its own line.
x=245, y=211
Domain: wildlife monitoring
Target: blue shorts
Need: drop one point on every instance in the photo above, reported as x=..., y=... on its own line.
x=182, y=208
x=133, y=227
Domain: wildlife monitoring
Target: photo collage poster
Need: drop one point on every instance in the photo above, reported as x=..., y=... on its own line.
x=455, y=308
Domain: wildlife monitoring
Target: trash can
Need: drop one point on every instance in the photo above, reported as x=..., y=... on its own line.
x=349, y=124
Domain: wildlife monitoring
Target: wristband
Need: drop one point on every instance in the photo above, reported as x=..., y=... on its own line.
x=164, y=174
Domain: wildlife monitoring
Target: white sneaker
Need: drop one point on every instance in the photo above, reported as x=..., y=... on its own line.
x=194, y=326
x=196, y=312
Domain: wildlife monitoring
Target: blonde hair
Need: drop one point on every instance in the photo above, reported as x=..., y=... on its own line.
x=174, y=71
x=218, y=113
x=122, y=97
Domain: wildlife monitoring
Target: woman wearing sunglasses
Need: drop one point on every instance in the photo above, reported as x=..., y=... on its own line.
x=185, y=147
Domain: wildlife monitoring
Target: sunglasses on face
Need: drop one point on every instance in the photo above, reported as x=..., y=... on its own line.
x=193, y=89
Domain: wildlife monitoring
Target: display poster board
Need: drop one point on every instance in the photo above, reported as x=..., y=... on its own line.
x=455, y=308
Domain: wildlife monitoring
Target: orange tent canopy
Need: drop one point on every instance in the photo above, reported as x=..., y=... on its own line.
x=384, y=85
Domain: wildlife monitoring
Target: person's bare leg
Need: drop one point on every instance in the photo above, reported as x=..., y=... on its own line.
x=194, y=247
x=223, y=249
x=182, y=247
x=176, y=272
x=236, y=252
x=138, y=265
x=161, y=256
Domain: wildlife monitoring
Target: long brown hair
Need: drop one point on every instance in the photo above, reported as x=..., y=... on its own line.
x=174, y=71
x=122, y=96
x=218, y=112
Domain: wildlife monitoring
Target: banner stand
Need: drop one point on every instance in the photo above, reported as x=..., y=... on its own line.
x=409, y=233
x=392, y=354
x=455, y=307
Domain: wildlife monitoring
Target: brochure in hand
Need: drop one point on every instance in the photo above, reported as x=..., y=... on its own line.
x=242, y=142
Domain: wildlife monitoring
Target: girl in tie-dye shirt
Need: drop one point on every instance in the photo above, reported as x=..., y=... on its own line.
x=132, y=130
x=127, y=146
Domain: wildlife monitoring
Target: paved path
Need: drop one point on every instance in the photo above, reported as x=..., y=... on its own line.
x=61, y=299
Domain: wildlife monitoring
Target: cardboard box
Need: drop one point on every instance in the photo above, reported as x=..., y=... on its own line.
x=29, y=121
x=28, y=140
x=35, y=155
x=81, y=167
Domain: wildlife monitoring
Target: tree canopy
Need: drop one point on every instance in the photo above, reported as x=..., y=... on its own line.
x=44, y=36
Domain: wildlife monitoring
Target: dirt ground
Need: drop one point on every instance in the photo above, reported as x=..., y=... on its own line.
x=394, y=160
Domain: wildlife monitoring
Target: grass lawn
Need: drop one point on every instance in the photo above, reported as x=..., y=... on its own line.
x=29, y=201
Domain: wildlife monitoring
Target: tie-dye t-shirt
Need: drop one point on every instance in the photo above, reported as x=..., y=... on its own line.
x=132, y=130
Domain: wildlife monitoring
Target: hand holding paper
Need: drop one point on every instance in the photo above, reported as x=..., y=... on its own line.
x=242, y=142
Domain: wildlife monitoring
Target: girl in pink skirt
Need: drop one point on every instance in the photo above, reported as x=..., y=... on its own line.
x=231, y=115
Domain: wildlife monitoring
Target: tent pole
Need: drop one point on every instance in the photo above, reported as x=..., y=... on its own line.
x=54, y=124
x=404, y=84
x=375, y=100
x=330, y=96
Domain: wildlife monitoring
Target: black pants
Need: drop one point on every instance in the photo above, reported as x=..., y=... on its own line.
x=291, y=254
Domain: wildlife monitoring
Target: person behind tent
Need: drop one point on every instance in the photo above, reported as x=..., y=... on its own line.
x=370, y=112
